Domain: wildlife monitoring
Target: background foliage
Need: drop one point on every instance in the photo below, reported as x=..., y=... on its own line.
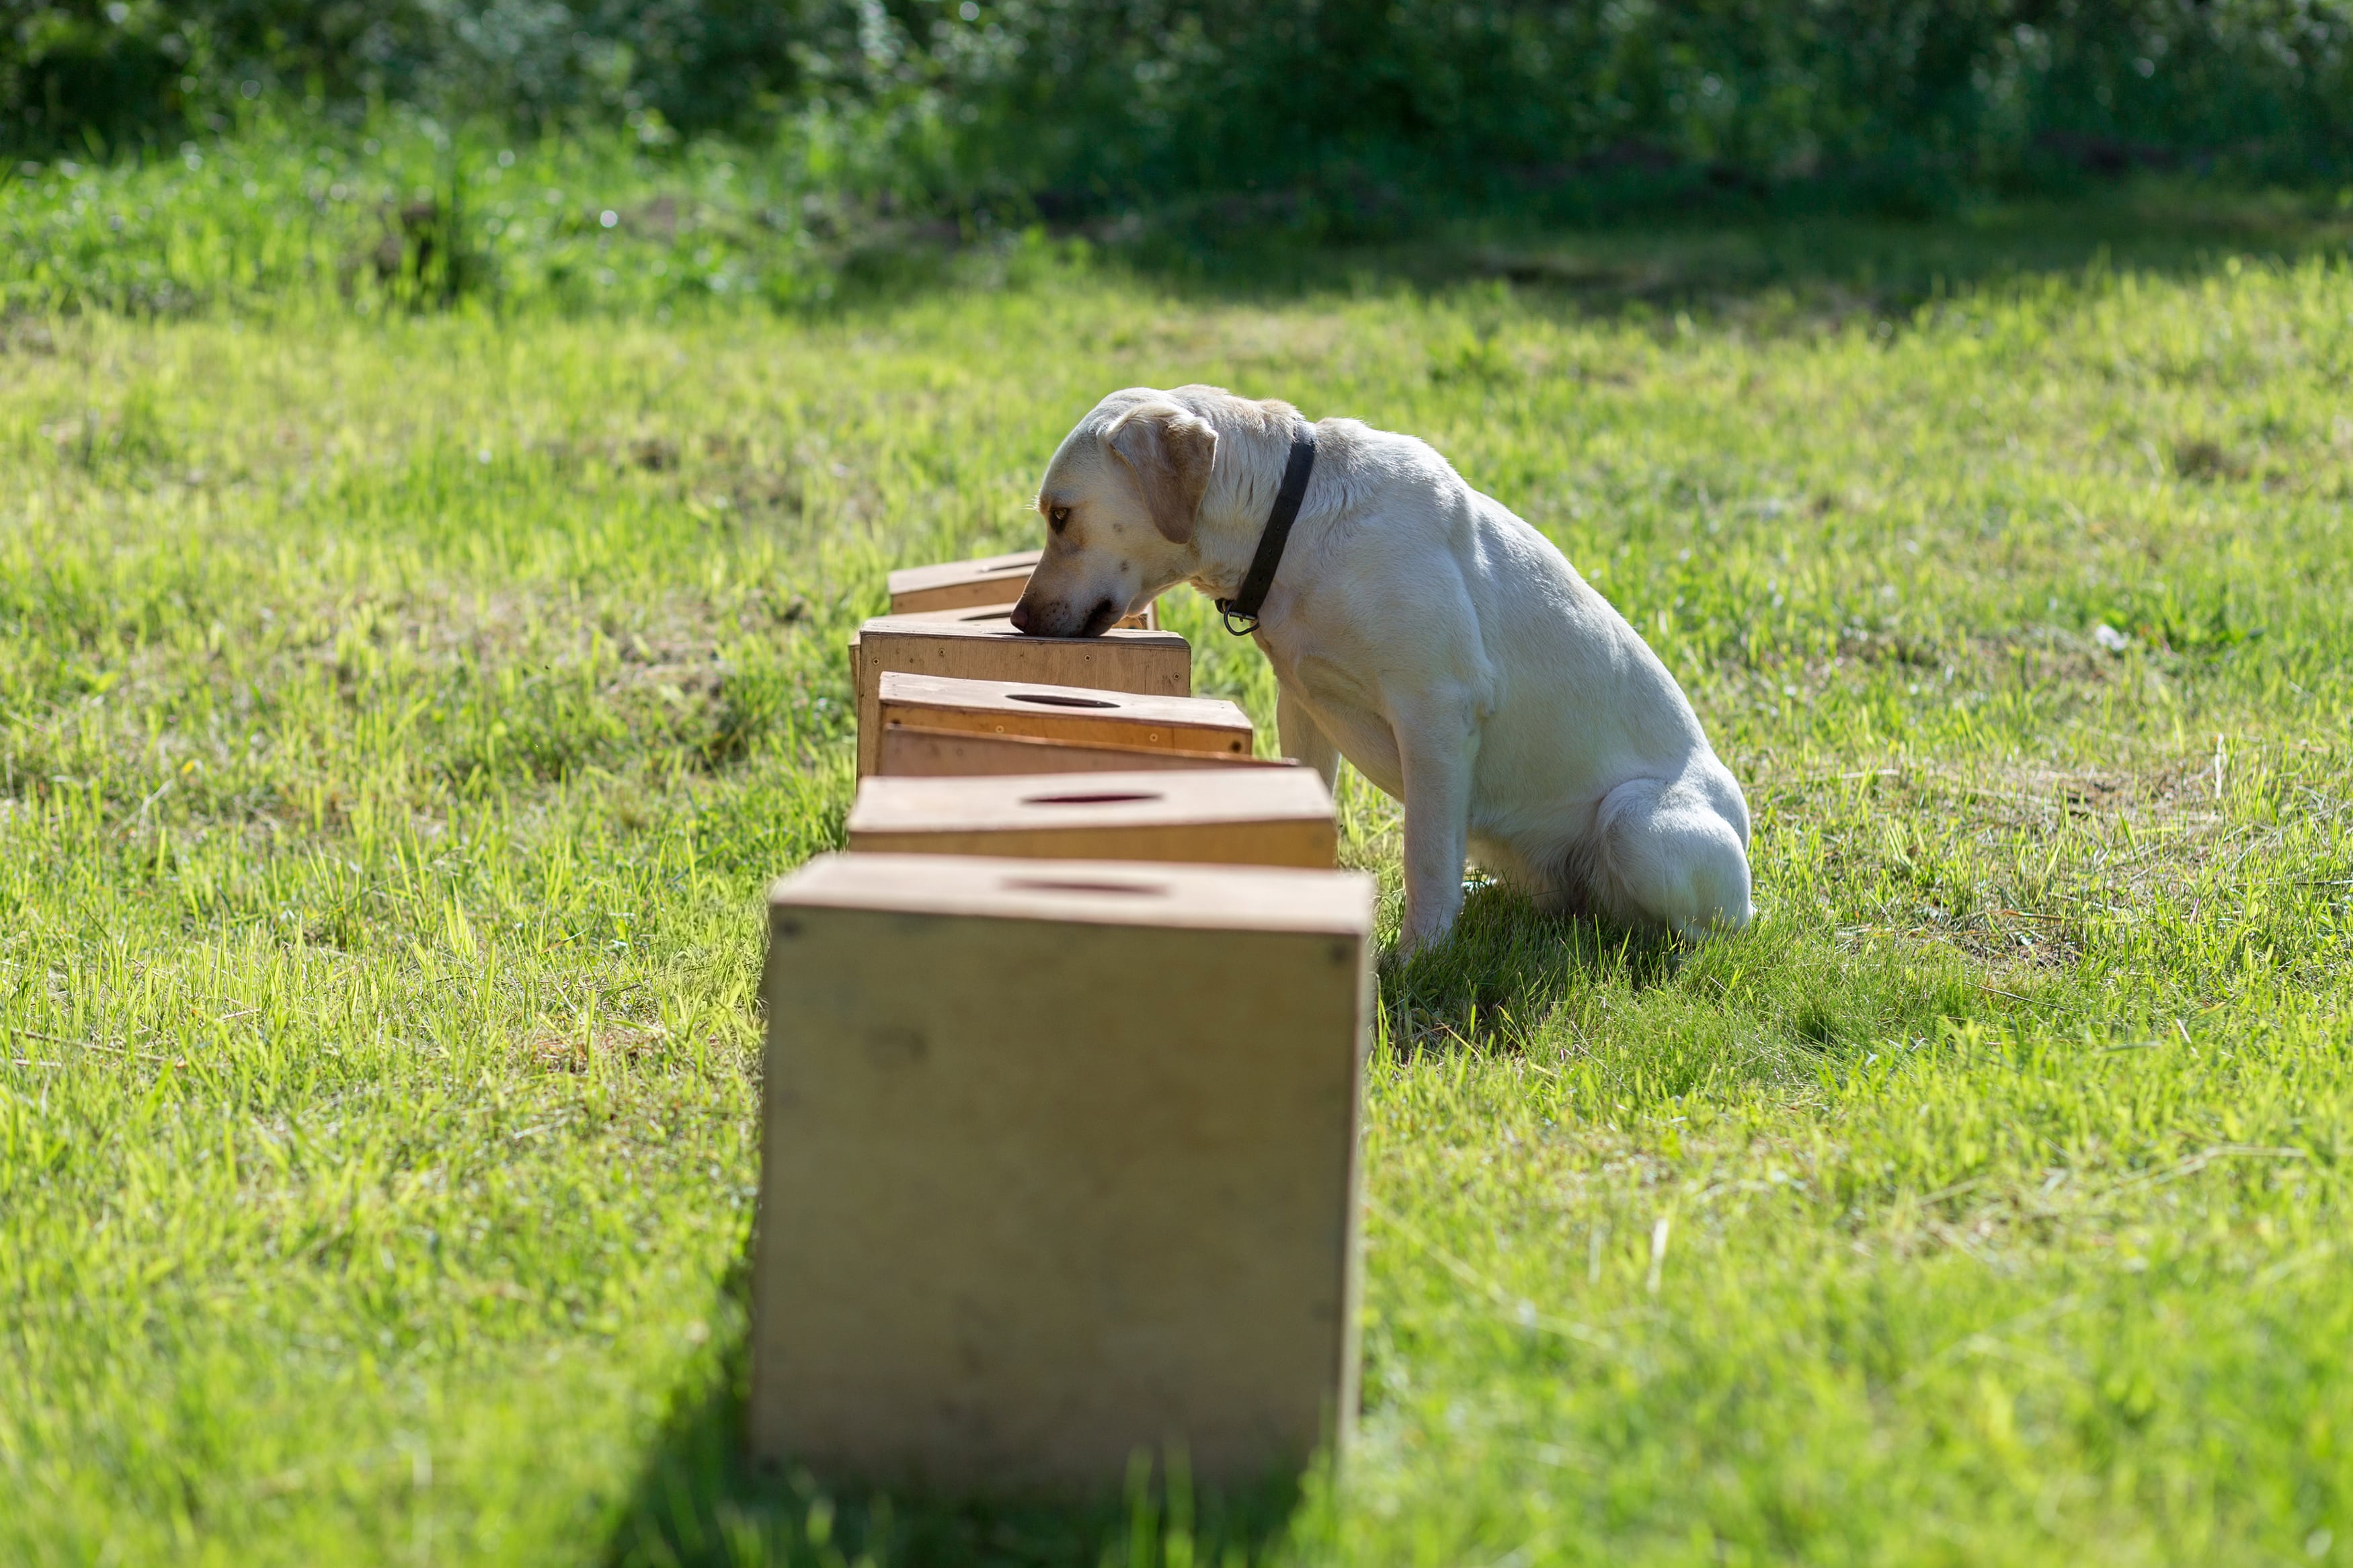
x=1342, y=113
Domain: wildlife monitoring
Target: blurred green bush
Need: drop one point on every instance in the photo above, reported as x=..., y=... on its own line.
x=1304, y=112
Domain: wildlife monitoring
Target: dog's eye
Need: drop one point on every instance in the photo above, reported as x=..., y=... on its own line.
x=1059, y=518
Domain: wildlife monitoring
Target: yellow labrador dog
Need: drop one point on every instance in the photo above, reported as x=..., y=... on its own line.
x=1422, y=631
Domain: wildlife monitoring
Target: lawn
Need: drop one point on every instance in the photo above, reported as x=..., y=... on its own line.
x=400, y=718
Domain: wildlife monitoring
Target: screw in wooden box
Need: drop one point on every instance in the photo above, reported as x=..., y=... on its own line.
x=1240, y=817
x=1059, y=1166
x=1152, y=664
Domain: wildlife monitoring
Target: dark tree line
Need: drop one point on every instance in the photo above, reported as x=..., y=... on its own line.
x=1081, y=103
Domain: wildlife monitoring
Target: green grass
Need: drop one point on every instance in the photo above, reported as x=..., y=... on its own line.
x=289, y=211
x=399, y=718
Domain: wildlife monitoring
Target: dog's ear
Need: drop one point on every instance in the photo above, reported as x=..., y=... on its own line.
x=1170, y=452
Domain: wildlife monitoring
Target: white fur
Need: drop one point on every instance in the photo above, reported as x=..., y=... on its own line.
x=1426, y=634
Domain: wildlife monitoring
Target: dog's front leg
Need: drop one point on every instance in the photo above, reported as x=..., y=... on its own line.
x=1437, y=746
x=1302, y=740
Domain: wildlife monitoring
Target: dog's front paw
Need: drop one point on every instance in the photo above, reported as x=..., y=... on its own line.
x=1413, y=939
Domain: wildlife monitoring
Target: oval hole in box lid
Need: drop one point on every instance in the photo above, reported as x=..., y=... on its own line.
x=1010, y=566
x=1121, y=798
x=1039, y=884
x=1055, y=699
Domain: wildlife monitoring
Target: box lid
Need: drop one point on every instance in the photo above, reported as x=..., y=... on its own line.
x=1086, y=892
x=1013, y=566
x=1003, y=801
x=966, y=695
x=884, y=627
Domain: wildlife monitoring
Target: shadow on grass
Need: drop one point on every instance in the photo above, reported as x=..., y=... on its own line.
x=1763, y=266
x=698, y=1502
x=1779, y=996
x=1505, y=968
x=1805, y=264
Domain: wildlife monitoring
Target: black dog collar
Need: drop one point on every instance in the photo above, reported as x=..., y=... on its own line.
x=1244, y=606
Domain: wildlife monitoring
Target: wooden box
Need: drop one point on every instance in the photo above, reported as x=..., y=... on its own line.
x=1239, y=816
x=1059, y=1166
x=957, y=585
x=1081, y=715
x=913, y=751
x=977, y=584
x=974, y=615
x=1152, y=664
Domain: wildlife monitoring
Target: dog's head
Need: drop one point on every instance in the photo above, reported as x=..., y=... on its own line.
x=1119, y=501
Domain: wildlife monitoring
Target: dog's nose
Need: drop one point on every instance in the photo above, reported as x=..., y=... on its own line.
x=1020, y=616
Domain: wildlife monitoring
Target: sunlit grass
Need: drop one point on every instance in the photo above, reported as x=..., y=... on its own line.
x=295, y=209
x=400, y=718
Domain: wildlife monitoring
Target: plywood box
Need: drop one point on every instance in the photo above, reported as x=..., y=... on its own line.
x=967, y=584
x=914, y=751
x=1241, y=816
x=1153, y=664
x=974, y=615
x=1058, y=1164
x=1085, y=715
x=957, y=585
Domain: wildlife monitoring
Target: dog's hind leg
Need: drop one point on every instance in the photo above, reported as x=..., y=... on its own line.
x=1668, y=853
x=1302, y=740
